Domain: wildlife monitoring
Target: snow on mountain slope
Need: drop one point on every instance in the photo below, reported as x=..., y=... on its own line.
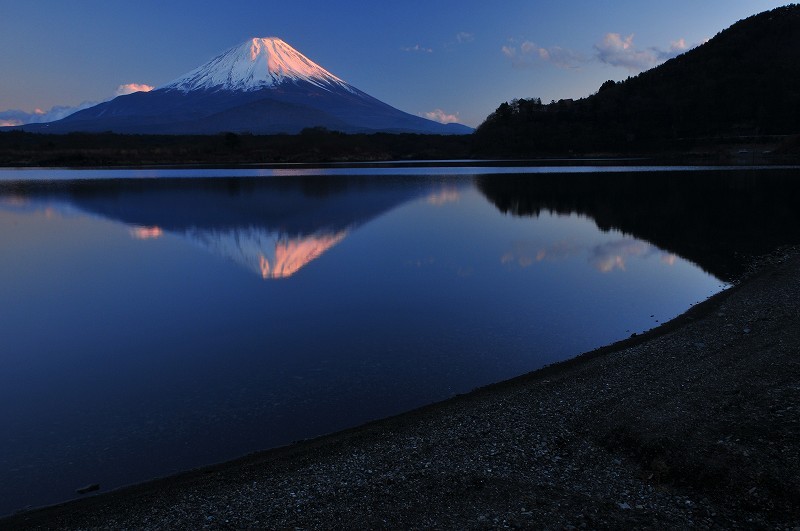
x=256, y=64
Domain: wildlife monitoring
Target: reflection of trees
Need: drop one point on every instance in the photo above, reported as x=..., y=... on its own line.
x=714, y=218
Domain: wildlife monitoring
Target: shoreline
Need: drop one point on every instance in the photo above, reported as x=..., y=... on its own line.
x=691, y=423
x=600, y=159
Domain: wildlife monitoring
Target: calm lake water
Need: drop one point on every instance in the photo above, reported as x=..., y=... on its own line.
x=152, y=321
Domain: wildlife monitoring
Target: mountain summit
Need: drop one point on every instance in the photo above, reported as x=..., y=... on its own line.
x=262, y=86
x=254, y=65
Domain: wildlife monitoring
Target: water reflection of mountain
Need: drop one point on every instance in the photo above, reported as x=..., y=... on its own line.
x=713, y=218
x=270, y=254
x=273, y=227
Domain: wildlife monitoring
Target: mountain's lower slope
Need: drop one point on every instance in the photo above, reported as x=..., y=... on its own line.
x=286, y=109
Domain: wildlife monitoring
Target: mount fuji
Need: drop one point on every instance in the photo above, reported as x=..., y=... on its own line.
x=262, y=86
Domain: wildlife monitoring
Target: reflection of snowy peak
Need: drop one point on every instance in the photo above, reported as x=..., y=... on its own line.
x=270, y=254
x=257, y=64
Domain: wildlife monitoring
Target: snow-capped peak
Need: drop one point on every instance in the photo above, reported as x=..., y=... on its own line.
x=256, y=64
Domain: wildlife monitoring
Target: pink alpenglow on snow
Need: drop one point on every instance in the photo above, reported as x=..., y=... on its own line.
x=256, y=64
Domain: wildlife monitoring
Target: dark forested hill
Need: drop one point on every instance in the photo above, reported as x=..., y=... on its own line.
x=743, y=82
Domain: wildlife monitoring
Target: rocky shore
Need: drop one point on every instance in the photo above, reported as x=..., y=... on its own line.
x=695, y=424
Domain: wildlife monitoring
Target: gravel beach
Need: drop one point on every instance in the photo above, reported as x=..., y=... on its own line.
x=695, y=424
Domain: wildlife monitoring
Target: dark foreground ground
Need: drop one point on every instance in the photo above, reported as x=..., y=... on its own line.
x=695, y=424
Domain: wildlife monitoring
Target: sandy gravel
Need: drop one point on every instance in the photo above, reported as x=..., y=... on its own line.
x=694, y=424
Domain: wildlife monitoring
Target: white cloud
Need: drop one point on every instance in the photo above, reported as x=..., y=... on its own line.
x=18, y=117
x=616, y=254
x=463, y=36
x=130, y=88
x=613, y=49
x=617, y=50
x=444, y=196
x=13, y=117
x=612, y=255
x=438, y=115
x=675, y=49
x=530, y=53
x=417, y=48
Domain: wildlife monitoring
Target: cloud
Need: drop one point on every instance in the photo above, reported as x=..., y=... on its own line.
x=14, y=117
x=617, y=50
x=613, y=49
x=444, y=196
x=438, y=115
x=604, y=257
x=614, y=255
x=130, y=88
x=675, y=49
x=609, y=256
x=417, y=49
x=525, y=253
x=529, y=53
x=146, y=233
x=668, y=259
x=463, y=36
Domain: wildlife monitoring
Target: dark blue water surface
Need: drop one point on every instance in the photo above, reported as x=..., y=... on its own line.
x=151, y=326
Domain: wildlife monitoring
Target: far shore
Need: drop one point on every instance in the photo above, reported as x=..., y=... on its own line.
x=20, y=149
x=693, y=424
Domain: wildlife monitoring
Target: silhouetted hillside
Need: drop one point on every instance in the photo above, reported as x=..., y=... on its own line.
x=742, y=83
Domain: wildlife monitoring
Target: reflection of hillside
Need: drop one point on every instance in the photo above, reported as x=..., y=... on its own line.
x=714, y=218
x=273, y=227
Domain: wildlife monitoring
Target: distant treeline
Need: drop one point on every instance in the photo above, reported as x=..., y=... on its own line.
x=735, y=96
x=19, y=148
x=742, y=84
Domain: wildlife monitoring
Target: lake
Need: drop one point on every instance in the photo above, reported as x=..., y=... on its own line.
x=158, y=320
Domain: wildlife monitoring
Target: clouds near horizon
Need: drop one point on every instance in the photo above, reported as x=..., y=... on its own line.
x=617, y=50
x=417, y=48
x=130, y=88
x=613, y=49
x=15, y=117
x=529, y=53
x=438, y=115
x=463, y=36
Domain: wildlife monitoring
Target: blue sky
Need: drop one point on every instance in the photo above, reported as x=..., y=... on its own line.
x=461, y=58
